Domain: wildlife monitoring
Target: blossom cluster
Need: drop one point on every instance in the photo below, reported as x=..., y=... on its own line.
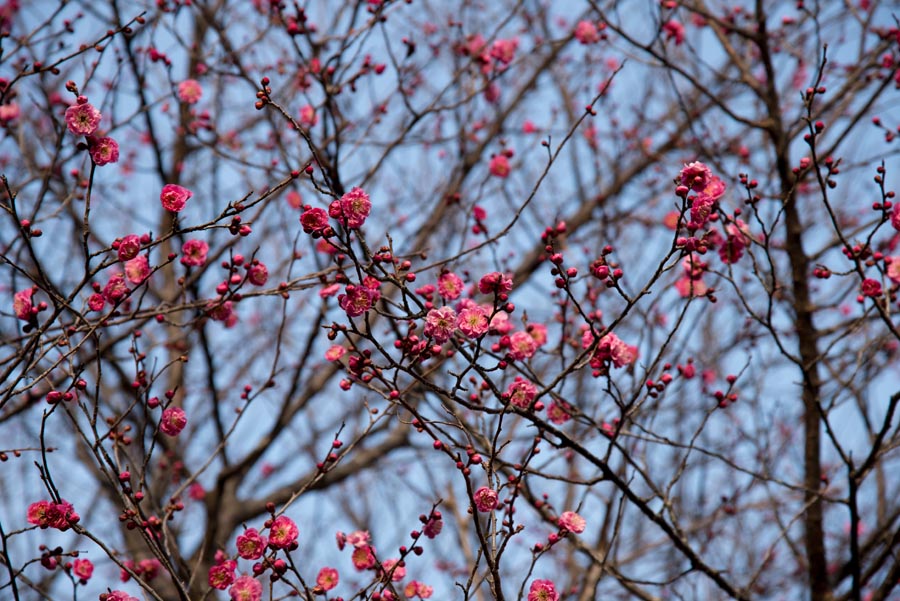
x=708, y=188
x=252, y=546
x=146, y=569
x=608, y=350
x=703, y=190
x=494, y=57
x=473, y=319
x=48, y=514
x=83, y=119
x=350, y=210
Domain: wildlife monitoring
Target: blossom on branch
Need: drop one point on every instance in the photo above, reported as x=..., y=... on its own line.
x=440, y=324
x=473, y=321
x=22, y=305
x=194, y=253
x=48, y=514
x=251, y=545
x=82, y=118
x=486, y=499
x=571, y=521
x=190, y=91
x=174, y=197
x=450, y=286
x=357, y=300
x=352, y=208
x=173, y=421
x=283, y=533
x=327, y=579
x=542, y=590
x=586, y=33
x=103, y=150
x=246, y=588
x=82, y=569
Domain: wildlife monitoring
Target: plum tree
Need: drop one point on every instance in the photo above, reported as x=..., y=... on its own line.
x=449, y=299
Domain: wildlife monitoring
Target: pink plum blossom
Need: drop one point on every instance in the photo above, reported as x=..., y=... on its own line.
x=194, y=252
x=82, y=569
x=522, y=346
x=283, y=532
x=500, y=323
x=610, y=348
x=450, y=286
x=586, y=33
x=119, y=596
x=674, y=30
x=22, y=305
x=103, y=151
x=363, y=557
x=37, y=513
x=246, y=588
x=358, y=538
x=870, y=288
x=173, y=421
x=473, y=321
x=571, y=521
x=440, y=323
x=714, y=190
x=486, y=499
x=687, y=286
x=495, y=282
x=314, y=220
x=418, y=589
x=196, y=491
x=521, y=393
x=620, y=353
x=538, y=331
x=294, y=199
x=174, y=197
x=327, y=579
x=96, y=302
x=695, y=176
x=129, y=247
x=222, y=311
x=499, y=166
x=308, y=116
x=542, y=590
x=559, y=412
x=82, y=118
x=190, y=91
x=48, y=514
x=732, y=249
x=9, y=112
x=329, y=290
x=358, y=299
x=433, y=525
x=221, y=576
x=115, y=289
x=397, y=572
x=251, y=545
x=893, y=269
x=504, y=51
x=701, y=209
x=352, y=208
x=258, y=274
x=335, y=352
x=137, y=269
